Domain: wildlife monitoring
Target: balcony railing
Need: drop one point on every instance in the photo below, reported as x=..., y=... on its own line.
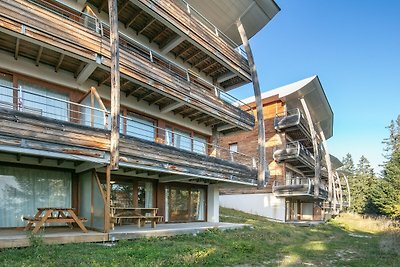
x=39, y=104
x=292, y=120
x=298, y=186
x=196, y=14
x=294, y=151
x=95, y=25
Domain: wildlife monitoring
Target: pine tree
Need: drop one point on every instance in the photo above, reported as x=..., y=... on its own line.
x=348, y=165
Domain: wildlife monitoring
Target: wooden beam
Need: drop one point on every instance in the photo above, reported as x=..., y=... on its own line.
x=39, y=55
x=40, y=160
x=171, y=107
x=60, y=60
x=157, y=100
x=143, y=96
x=102, y=5
x=328, y=162
x=225, y=77
x=85, y=73
x=172, y=44
x=146, y=26
x=106, y=78
x=317, y=167
x=60, y=161
x=122, y=7
x=127, y=25
x=213, y=123
x=115, y=84
x=205, y=119
x=208, y=67
x=158, y=34
x=107, y=209
x=184, y=51
x=133, y=91
x=192, y=56
x=125, y=83
x=201, y=61
x=262, y=164
x=17, y=48
x=198, y=116
x=191, y=113
x=212, y=72
x=80, y=68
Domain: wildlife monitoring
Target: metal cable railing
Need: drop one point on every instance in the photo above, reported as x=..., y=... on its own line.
x=25, y=99
x=95, y=25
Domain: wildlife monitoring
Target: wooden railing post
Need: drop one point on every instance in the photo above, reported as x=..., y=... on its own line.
x=115, y=83
x=262, y=165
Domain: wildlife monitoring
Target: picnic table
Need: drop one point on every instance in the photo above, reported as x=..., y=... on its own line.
x=54, y=215
x=140, y=215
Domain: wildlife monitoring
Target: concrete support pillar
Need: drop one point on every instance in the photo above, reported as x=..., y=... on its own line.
x=212, y=203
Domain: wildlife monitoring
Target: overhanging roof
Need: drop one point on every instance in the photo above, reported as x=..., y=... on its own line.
x=314, y=95
x=254, y=14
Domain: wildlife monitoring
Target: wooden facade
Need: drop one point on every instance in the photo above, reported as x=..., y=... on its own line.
x=57, y=69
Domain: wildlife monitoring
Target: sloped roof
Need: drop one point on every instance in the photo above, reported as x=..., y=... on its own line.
x=314, y=95
x=254, y=15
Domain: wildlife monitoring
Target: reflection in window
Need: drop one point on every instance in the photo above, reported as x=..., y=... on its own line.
x=200, y=144
x=140, y=128
x=6, y=92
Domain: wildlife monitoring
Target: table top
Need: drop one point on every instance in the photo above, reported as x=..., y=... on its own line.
x=55, y=208
x=132, y=208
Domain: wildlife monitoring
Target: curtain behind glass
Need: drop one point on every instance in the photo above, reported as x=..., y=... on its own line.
x=6, y=93
x=140, y=128
x=23, y=190
x=38, y=103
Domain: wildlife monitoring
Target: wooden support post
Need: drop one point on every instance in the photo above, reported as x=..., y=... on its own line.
x=315, y=148
x=340, y=192
x=328, y=163
x=348, y=198
x=262, y=165
x=115, y=83
x=107, y=209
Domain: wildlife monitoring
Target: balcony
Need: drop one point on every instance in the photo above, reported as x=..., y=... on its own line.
x=176, y=27
x=32, y=123
x=294, y=124
x=298, y=156
x=298, y=187
x=36, y=31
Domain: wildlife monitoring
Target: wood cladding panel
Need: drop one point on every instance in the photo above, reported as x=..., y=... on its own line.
x=50, y=29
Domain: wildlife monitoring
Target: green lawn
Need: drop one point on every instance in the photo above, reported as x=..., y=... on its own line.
x=348, y=240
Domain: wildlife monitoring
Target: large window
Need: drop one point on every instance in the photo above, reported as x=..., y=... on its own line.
x=184, y=140
x=42, y=101
x=131, y=193
x=140, y=127
x=6, y=91
x=185, y=204
x=23, y=190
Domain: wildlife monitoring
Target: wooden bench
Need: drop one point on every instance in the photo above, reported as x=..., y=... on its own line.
x=139, y=215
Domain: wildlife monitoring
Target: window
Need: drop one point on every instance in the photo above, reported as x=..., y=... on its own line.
x=44, y=102
x=233, y=147
x=184, y=140
x=140, y=127
x=94, y=117
x=6, y=91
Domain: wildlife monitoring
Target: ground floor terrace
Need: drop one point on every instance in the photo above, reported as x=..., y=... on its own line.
x=16, y=237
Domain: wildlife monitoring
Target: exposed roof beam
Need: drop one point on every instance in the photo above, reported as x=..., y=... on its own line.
x=225, y=127
x=60, y=161
x=171, y=107
x=191, y=113
x=209, y=66
x=106, y=78
x=192, y=56
x=201, y=61
x=85, y=166
x=17, y=48
x=184, y=51
x=146, y=26
x=225, y=77
x=144, y=95
x=86, y=72
x=133, y=91
x=213, y=122
x=172, y=44
x=102, y=5
x=199, y=117
x=127, y=25
x=39, y=55
x=157, y=100
x=122, y=7
x=205, y=120
x=212, y=72
x=172, y=178
x=125, y=83
x=60, y=60
x=159, y=34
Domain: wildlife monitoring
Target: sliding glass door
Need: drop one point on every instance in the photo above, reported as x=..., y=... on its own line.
x=185, y=204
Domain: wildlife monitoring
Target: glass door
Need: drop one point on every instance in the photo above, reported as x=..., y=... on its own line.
x=185, y=204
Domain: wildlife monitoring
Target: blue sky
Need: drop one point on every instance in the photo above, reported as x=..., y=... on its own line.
x=354, y=48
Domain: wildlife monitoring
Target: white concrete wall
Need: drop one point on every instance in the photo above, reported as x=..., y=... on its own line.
x=265, y=204
x=213, y=203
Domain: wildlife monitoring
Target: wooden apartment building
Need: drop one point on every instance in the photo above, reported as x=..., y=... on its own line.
x=177, y=60
x=303, y=184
